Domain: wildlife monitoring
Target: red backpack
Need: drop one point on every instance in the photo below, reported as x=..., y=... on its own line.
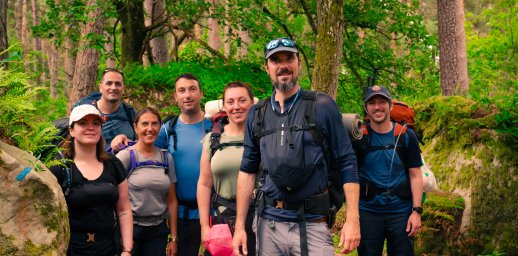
x=401, y=113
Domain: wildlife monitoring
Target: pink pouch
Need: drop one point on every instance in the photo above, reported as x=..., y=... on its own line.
x=219, y=241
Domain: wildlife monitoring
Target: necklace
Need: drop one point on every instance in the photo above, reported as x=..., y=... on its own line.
x=142, y=152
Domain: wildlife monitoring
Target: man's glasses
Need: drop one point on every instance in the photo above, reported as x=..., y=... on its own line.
x=280, y=41
x=113, y=69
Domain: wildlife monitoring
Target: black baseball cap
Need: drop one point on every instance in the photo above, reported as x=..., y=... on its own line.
x=376, y=90
x=282, y=44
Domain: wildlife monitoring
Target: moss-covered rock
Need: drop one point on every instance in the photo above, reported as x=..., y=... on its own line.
x=34, y=219
x=470, y=158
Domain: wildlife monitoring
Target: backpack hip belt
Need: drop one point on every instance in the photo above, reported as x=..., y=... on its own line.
x=368, y=190
x=317, y=204
x=149, y=219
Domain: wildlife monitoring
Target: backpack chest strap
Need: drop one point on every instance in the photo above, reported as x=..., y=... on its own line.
x=287, y=128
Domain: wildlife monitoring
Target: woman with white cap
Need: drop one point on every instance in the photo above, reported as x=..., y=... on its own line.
x=94, y=185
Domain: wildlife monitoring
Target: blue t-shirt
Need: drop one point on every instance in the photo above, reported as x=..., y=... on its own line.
x=117, y=123
x=377, y=170
x=330, y=120
x=186, y=158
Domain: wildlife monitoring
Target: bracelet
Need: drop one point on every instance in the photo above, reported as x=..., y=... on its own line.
x=127, y=250
x=173, y=239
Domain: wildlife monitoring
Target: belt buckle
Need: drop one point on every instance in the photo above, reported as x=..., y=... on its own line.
x=90, y=237
x=280, y=205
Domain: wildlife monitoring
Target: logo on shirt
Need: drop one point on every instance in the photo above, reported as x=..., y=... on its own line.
x=376, y=88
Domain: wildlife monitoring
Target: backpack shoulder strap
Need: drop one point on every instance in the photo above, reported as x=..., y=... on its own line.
x=363, y=145
x=400, y=145
x=131, y=117
x=260, y=109
x=172, y=122
x=166, y=161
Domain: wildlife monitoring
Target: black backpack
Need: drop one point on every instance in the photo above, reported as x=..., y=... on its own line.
x=334, y=179
x=62, y=125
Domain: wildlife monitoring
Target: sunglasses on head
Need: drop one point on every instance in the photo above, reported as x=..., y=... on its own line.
x=280, y=41
x=112, y=69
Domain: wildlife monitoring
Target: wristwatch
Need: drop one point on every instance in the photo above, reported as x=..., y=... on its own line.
x=417, y=209
x=173, y=239
x=127, y=250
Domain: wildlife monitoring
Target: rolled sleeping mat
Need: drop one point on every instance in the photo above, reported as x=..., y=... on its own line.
x=354, y=127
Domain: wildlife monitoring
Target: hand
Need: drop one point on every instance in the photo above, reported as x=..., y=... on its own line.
x=118, y=141
x=350, y=237
x=239, y=241
x=204, y=232
x=171, y=249
x=414, y=223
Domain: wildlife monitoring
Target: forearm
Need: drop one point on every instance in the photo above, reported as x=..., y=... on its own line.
x=245, y=187
x=352, y=197
x=416, y=185
x=125, y=217
x=203, y=195
x=172, y=207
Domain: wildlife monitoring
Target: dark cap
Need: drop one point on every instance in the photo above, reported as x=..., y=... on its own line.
x=376, y=90
x=282, y=44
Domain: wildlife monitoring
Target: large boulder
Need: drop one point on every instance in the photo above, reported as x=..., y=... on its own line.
x=34, y=218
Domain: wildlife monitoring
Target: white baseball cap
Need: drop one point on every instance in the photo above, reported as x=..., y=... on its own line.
x=83, y=110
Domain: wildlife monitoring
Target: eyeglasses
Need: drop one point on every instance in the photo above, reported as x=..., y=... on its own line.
x=113, y=69
x=283, y=41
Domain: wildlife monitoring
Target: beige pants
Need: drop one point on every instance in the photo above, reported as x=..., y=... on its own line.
x=284, y=238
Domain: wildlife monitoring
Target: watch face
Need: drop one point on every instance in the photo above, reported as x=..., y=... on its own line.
x=418, y=209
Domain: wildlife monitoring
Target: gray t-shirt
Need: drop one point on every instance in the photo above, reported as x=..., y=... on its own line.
x=148, y=187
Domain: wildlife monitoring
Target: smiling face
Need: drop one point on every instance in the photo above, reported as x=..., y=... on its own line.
x=236, y=103
x=283, y=68
x=188, y=95
x=378, y=109
x=147, y=127
x=86, y=131
x=112, y=86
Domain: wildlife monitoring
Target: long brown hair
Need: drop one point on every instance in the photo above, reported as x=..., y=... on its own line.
x=70, y=151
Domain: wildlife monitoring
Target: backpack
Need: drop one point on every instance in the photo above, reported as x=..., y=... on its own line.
x=401, y=113
x=114, y=165
x=334, y=179
x=134, y=164
x=218, y=123
x=62, y=124
x=172, y=119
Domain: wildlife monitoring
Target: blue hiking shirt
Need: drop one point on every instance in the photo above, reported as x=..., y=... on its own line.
x=186, y=158
x=330, y=120
x=377, y=170
x=115, y=126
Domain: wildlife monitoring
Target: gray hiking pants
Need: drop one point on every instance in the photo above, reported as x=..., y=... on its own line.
x=284, y=238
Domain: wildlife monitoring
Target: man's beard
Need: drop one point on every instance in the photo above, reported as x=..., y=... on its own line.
x=382, y=120
x=285, y=86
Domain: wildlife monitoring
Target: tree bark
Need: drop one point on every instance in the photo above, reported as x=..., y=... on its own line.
x=53, y=64
x=462, y=56
x=131, y=16
x=19, y=8
x=71, y=53
x=159, y=44
x=110, y=60
x=197, y=37
x=36, y=41
x=87, y=62
x=214, y=28
x=330, y=41
x=4, y=43
x=446, y=10
x=23, y=30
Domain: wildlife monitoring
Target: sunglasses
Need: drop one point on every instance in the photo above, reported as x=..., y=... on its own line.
x=280, y=41
x=113, y=69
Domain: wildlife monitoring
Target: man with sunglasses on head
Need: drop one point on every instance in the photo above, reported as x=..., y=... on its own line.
x=293, y=204
x=119, y=116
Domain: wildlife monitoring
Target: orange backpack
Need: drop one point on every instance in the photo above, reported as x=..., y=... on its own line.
x=401, y=113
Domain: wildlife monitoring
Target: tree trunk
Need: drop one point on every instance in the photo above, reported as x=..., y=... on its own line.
x=226, y=45
x=44, y=63
x=87, y=62
x=71, y=53
x=213, y=28
x=131, y=16
x=3, y=32
x=25, y=42
x=330, y=41
x=110, y=60
x=446, y=10
x=36, y=41
x=159, y=44
x=197, y=34
x=53, y=64
x=462, y=56
x=19, y=16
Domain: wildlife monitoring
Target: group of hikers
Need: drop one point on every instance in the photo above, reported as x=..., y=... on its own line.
x=275, y=171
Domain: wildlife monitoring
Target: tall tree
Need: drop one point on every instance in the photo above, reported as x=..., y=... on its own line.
x=158, y=42
x=4, y=43
x=36, y=41
x=462, y=56
x=87, y=62
x=19, y=17
x=329, y=46
x=53, y=64
x=110, y=59
x=447, y=17
x=214, y=28
x=71, y=50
